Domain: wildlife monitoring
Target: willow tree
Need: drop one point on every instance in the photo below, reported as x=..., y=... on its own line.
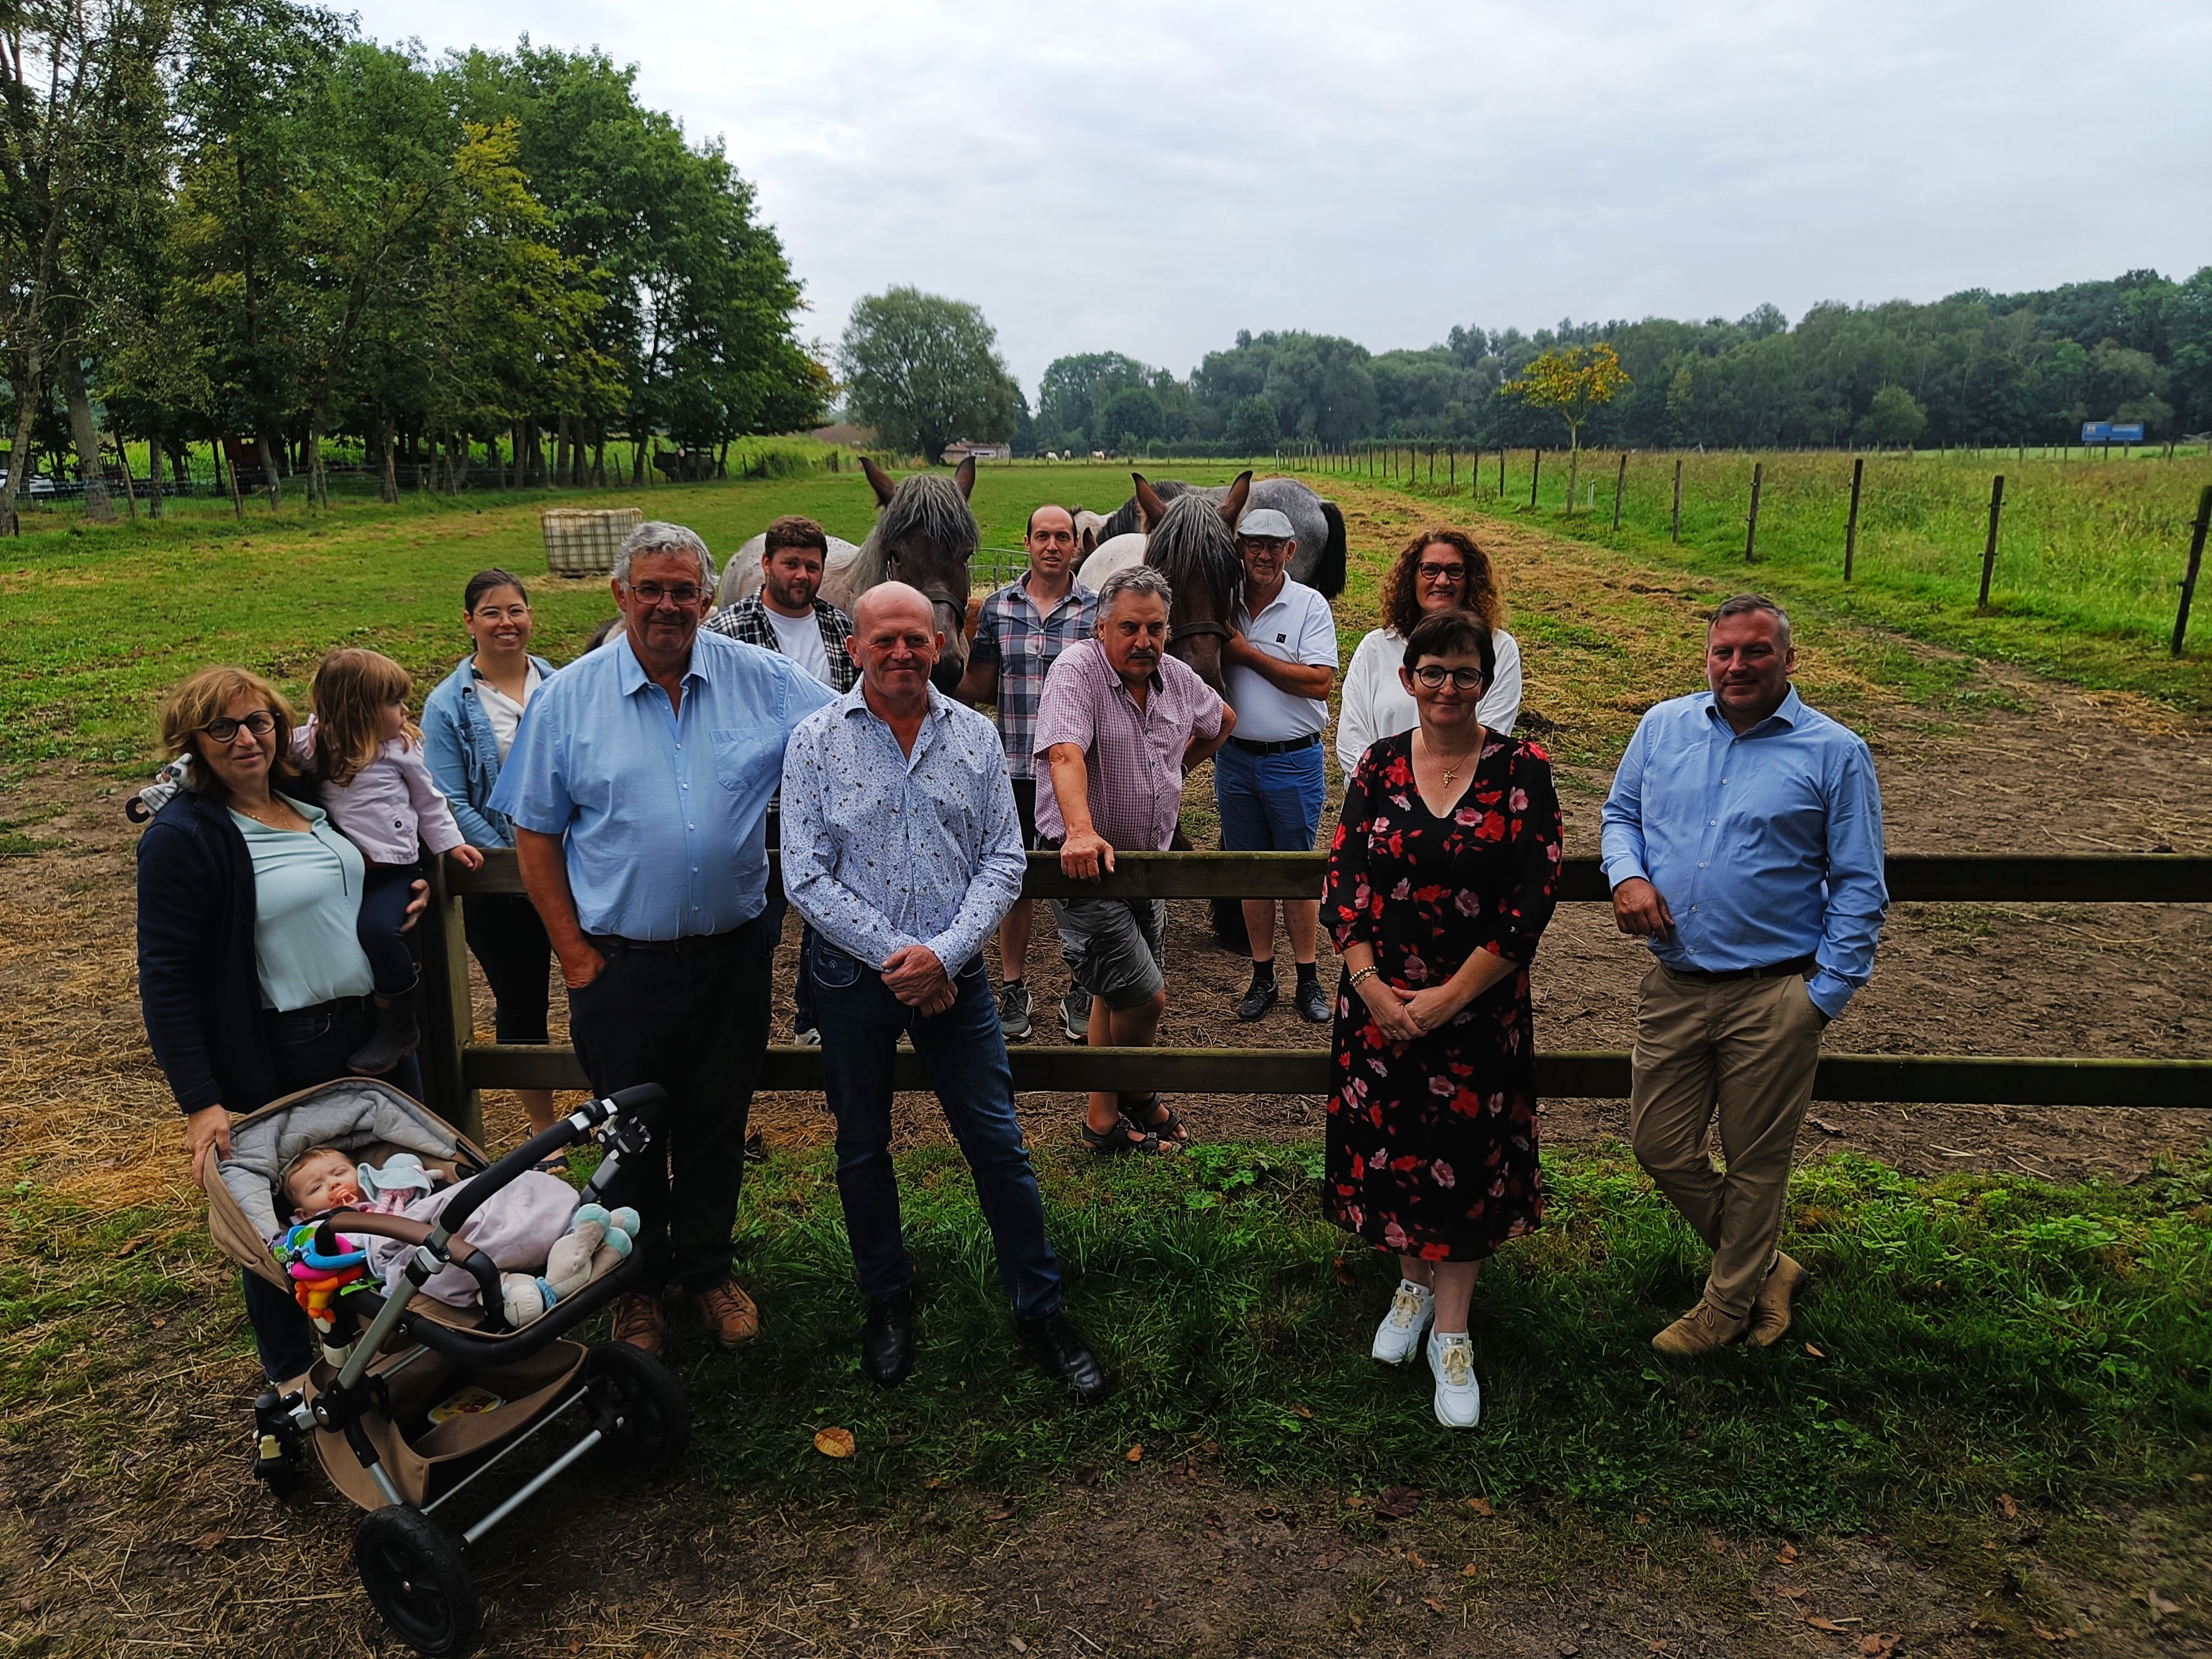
x=1573, y=382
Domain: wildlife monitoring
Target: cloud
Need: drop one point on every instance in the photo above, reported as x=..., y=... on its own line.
x=1152, y=176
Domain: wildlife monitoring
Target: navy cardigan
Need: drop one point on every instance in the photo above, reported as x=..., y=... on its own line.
x=198, y=985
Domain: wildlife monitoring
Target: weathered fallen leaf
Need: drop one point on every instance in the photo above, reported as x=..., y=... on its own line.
x=1135, y=1455
x=1413, y=1559
x=1819, y=1623
x=1342, y=1271
x=1480, y=1506
x=1017, y=1644
x=1659, y=1646
x=2007, y=1507
x=1789, y=1590
x=206, y=1541
x=1814, y=1352
x=2194, y=1479
x=1398, y=1502
x=1824, y=1125
x=1004, y=1512
x=834, y=1443
x=1470, y=1570
x=1876, y=1646
x=1715, y=1543
x=1326, y=1560
x=1355, y=1500
x=1789, y=1554
x=1989, y=1543
x=1210, y=1448
x=1641, y=1520
x=1432, y=1604
x=2158, y=1604
x=2065, y=1635
x=934, y=1482
x=1301, y=1411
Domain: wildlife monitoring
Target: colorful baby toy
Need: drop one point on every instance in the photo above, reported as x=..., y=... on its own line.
x=318, y=1278
x=596, y=1240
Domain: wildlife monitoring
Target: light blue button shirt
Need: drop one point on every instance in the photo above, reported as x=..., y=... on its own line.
x=882, y=849
x=1765, y=847
x=662, y=808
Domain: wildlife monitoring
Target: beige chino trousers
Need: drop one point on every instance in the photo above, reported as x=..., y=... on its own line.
x=1735, y=1056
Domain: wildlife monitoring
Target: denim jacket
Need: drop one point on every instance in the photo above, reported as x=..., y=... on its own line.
x=464, y=753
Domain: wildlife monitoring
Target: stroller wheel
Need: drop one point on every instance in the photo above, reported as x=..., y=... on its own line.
x=412, y=1570
x=638, y=1406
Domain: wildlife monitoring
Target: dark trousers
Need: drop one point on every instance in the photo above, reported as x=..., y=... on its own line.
x=963, y=1055
x=307, y=1048
x=695, y=1020
x=509, y=944
x=802, y=988
x=391, y=953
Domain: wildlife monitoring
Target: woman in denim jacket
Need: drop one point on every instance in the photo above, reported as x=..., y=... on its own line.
x=468, y=726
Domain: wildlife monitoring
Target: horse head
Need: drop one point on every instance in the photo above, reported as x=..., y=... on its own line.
x=925, y=536
x=1192, y=542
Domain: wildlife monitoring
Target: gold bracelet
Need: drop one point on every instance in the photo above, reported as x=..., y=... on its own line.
x=1366, y=973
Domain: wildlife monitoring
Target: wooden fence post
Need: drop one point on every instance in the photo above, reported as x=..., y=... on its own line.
x=1678, y=498
x=1851, y=522
x=2196, y=561
x=1501, y=472
x=1536, y=472
x=1989, y=548
x=1619, y=480
x=1751, y=525
x=1451, y=472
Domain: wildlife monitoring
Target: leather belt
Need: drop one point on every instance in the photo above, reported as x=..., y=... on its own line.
x=689, y=944
x=1288, y=746
x=1796, y=967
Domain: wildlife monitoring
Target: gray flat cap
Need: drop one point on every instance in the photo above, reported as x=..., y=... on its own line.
x=1265, y=522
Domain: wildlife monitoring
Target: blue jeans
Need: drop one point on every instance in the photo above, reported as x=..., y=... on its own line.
x=1268, y=803
x=963, y=1055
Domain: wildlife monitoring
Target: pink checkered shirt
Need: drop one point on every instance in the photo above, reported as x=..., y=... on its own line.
x=1133, y=756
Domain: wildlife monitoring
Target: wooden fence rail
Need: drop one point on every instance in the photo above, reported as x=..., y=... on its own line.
x=456, y=1068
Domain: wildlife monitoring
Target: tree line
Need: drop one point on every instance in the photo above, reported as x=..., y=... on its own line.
x=240, y=219
x=1976, y=368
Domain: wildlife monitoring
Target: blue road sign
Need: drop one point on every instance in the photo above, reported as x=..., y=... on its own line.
x=2112, y=432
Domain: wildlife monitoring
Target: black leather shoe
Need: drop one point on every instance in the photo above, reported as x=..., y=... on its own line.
x=1312, y=1002
x=1060, y=1348
x=1262, y=996
x=887, y=1340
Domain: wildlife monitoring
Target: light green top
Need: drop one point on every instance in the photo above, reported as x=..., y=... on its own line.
x=307, y=899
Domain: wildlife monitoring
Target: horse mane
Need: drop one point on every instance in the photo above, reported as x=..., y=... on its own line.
x=1191, y=548
x=927, y=506
x=1129, y=518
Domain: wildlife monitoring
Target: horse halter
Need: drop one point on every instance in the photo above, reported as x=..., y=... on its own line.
x=1187, y=631
x=936, y=594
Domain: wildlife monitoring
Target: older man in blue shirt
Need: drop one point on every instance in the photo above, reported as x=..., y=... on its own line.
x=902, y=847
x=1743, y=840
x=637, y=785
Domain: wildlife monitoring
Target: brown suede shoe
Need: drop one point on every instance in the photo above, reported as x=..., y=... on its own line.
x=1698, y=1332
x=1770, y=1314
x=729, y=1314
x=640, y=1322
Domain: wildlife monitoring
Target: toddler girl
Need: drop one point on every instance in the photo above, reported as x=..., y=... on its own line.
x=368, y=756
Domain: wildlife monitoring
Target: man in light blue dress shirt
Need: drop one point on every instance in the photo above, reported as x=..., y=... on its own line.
x=637, y=785
x=902, y=848
x=1743, y=839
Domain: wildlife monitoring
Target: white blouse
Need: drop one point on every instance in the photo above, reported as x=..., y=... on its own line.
x=1376, y=704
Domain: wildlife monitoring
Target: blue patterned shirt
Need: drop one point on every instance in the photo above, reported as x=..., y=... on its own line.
x=881, y=849
x=1009, y=632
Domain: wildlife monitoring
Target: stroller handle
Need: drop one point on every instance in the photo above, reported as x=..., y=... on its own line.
x=476, y=1263
x=580, y=1125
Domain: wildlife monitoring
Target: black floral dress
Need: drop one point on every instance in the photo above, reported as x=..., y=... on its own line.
x=1432, y=1143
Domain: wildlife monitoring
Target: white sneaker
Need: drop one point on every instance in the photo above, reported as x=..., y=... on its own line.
x=1398, y=1338
x=1459, y=1396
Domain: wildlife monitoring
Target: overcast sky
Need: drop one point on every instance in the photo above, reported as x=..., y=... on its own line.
x=1150, y=178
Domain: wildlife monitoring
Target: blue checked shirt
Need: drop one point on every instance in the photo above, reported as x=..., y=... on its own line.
x=661, y=810
x=1765, y=847
x=882, y=850
x=1009, y=632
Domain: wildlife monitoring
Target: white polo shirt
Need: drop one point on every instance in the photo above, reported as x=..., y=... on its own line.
x=1297, y=626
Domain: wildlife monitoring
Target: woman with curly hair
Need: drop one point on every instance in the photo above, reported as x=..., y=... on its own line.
x=1440, y=569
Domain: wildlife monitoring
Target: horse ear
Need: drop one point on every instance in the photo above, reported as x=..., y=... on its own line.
x=965, y=477
x=1149, y=503
x=878, y=480
x=1090, y=543
x=1232, y=504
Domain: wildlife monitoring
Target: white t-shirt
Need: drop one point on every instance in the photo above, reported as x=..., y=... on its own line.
x=799, y=638
x=504, y=713
x=1376, y=705
x=1297, y=626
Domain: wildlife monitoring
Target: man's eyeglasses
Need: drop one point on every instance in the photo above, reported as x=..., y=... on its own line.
x=223, y=729
x=680, y=593
x=1467, y=679
x=1441, y=576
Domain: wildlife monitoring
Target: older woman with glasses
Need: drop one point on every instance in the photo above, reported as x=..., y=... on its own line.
x=250, y=976
x=1443, y=874
x=1440, y=569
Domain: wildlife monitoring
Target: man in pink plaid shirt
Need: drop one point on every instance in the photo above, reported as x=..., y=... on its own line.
x=1119, y=724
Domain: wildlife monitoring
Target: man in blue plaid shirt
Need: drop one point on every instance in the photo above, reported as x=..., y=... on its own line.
x=1020, y=634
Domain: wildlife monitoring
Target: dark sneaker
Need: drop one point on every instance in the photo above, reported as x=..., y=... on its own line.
x=396, y=1038
x=1058, y=1347
x=1015, y=1005
x=1075, y=1014
x=1312, y=1002
x=1262, y=996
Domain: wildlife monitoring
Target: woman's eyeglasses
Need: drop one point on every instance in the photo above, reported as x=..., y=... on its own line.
x=1442, y=575
x=223, y=729
x=1466, y=679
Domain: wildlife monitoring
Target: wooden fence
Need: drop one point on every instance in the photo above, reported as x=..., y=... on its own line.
x=456, y=1068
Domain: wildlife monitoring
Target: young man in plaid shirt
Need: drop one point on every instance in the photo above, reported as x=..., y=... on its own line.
x=1020, y=634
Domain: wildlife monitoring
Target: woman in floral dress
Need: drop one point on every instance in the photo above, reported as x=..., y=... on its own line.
x=1443, y=876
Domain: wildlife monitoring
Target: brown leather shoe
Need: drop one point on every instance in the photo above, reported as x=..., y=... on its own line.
x=1770, y=1314
x=1698, y=1332
x=642, y=1322
x=729, y=1314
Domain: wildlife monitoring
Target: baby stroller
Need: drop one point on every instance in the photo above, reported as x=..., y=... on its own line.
x=413, y=1400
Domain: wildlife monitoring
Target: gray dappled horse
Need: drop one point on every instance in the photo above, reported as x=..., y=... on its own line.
x=1191, y=542
x=1314, y=521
